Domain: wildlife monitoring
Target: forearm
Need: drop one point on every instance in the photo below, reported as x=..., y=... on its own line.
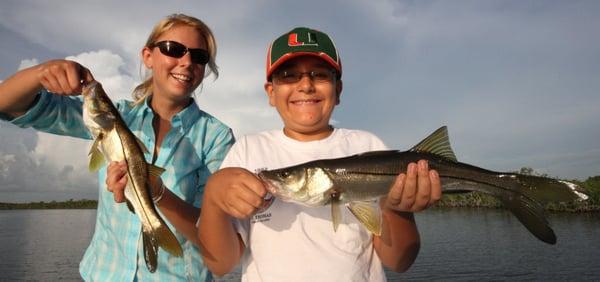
x=399, y=243
x=221, y=247
x=182, y=215
x=18, y=91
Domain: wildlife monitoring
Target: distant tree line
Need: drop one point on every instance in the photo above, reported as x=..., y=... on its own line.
x=70, y=204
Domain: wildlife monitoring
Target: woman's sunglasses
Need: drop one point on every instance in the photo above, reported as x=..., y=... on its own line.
x=177, y=50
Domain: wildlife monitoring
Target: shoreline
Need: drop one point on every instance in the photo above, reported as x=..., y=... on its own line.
x=471, y=200
x=70, y=204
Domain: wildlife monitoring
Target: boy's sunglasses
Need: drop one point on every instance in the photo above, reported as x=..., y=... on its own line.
x=293, y=76
x=177, y=50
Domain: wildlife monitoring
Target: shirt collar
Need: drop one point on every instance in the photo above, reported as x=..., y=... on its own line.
x=187, y=117
x=184, y=120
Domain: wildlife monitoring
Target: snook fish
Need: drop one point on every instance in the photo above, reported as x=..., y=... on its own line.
x=113, y=141
x=358, y=181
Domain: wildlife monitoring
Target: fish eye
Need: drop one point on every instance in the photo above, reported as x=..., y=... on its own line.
x=284, y=174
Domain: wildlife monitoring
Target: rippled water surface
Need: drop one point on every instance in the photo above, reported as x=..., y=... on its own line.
x=44, y=245
x=457, y=244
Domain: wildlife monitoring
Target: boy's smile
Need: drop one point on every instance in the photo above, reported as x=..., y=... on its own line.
x=305, y=101
x=305, y=106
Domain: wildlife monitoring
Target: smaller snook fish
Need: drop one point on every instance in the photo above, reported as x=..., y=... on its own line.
x=113, y=141
x=358, y=181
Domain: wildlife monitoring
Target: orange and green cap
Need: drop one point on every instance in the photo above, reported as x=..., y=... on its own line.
x=302, y=41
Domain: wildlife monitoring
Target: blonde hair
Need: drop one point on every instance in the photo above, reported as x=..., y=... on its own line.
x=145, y=88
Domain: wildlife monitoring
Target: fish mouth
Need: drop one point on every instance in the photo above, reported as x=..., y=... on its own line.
x=269, y=184
x=89, y=88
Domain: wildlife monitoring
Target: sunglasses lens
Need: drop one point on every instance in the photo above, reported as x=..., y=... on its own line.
x=199, y=56
x=171, y=48
x=177, y=50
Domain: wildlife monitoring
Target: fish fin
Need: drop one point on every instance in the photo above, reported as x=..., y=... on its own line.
x=437, y=143
x=531, y=214
x=142, y=146
x=336, y=213
x=155, y=170
x=96, y=158
x=130, y=206
x=167, y=240
x=150, y=249
x=369, y=214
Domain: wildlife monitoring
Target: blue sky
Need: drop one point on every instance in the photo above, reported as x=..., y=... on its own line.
x=516, y=82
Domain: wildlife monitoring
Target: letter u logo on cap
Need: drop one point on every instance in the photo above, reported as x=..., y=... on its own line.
x=311, y=40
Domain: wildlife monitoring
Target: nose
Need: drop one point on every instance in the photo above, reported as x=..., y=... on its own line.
x=306, y=83
x=186, y=59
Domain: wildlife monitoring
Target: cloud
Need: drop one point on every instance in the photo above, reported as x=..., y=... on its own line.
x=33, y=167
x=516, y=82
x=28, y=63
x=108, y=68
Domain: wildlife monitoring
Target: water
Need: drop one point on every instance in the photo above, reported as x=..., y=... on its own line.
x=44, y=245
x=457, y=244
x=483, y=244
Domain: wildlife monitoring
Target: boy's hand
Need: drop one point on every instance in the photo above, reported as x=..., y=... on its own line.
x=416, y=190
x=236, y=191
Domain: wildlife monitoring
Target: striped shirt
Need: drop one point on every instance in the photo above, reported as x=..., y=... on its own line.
x=192, y=150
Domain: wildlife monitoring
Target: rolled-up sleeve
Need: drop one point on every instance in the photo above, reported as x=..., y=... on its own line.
x=61, y=115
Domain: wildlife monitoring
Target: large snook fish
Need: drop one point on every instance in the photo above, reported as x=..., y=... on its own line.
x=357, y=181
x=113, y=141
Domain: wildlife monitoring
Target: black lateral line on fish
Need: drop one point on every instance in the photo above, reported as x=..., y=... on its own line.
x=487, y=183
x=369, y=172
x=136, y=191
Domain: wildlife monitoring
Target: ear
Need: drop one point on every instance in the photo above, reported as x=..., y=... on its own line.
x=147, y=57
x=338, y=91
x=270, y=94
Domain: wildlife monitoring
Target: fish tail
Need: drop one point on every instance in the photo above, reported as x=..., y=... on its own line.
x=157, y=236
x=150, y=249
x=546, y=190
x=529, y=212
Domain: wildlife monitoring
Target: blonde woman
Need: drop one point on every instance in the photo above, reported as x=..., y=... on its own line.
x=189, y=143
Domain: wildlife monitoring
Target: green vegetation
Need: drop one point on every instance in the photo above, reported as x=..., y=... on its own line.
x=70, y=204
x=476, y=199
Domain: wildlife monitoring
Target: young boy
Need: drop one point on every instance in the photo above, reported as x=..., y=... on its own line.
x=280, y=241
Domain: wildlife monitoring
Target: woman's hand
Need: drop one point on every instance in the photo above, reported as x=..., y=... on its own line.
x=116, y=180
x=18, y=92
x=63, y=77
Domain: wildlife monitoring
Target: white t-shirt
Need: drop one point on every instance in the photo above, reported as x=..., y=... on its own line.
x=291, y=242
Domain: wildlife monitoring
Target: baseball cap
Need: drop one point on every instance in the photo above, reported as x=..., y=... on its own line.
x=302, y=41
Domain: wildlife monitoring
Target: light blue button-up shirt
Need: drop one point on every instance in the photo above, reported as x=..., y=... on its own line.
x=192, y=150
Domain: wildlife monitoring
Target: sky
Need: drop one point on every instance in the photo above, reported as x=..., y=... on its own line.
x=516, y=82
